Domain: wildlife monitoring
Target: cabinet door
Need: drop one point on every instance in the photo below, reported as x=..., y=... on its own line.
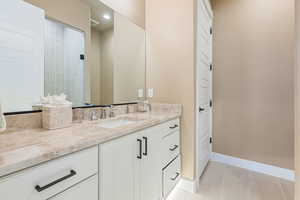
x=118, y=169
x=150, y=171
x=86, y=190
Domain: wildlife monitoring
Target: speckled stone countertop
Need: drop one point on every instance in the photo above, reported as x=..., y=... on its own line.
x=20, y=149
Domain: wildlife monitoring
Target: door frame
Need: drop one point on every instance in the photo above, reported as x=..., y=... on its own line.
x=207, y=5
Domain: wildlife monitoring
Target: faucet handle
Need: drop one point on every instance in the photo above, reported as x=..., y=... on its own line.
x=111, y=113
x=103, y=113
x=93, y=115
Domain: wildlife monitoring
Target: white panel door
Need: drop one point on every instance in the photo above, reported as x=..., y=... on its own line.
x=204, y=85
x=21, y=55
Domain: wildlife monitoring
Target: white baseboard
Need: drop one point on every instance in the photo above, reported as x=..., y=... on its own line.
x=187, y=185
x=254, y=166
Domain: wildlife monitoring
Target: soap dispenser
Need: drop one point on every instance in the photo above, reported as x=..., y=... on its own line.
x=2, y=121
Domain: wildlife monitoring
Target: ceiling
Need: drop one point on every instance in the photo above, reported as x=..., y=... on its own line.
x=98, y=10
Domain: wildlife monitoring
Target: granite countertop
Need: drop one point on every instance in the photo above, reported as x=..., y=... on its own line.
x=20, y=149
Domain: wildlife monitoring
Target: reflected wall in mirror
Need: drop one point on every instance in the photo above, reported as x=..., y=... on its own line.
x=91, y=53
x=118, y=57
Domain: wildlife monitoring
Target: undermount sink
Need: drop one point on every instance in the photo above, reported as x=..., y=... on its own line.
x=115, y=123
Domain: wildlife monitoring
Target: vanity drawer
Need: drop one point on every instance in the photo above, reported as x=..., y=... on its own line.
x=171, y=176
x=53, y=177
x=170, y=147
x=88, y=189
x=171, y=126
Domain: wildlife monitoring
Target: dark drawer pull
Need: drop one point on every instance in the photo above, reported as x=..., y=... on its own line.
x=140, y=149
x=174, y=148
x=145, y=153
x=39, y=188
x=172, y=127
x=176, y=176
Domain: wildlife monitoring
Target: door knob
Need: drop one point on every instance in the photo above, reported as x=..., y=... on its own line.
x=201, y=109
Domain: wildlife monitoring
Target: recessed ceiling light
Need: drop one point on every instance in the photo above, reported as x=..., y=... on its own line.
x=106, y=16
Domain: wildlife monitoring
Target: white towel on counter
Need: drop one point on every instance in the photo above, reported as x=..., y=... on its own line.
x=55, y=101
x=2, y=121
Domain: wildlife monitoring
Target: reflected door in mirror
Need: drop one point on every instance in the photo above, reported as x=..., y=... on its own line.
x=64, y=62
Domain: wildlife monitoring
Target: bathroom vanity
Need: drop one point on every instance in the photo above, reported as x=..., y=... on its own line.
x=136, y=160
x=99, y=65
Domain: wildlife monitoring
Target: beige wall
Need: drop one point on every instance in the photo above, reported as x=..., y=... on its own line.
x=117, y=71
x=170, y=65
x=129, y=63
x=253, y=80
x=107, y=66
x=102, y=66
x=133, y=9
x=297, y=103
x=95, y=62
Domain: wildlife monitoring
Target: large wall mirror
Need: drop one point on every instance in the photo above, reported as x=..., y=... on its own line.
x=47, y=56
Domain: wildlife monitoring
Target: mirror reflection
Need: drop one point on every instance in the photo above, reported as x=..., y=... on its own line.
x=99, y=66
x=118, y=58
x=64, y=61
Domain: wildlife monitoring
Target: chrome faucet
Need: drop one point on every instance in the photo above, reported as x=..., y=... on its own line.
x=111, y=113
x=103, y=114
x=144, y=106
x=94, y=115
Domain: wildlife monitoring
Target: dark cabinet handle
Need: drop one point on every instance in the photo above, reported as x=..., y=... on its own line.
x=175, y=177
x=40, y=189
x=145, y=153
x=172, y=127
x=174, y=148
x=140, y=148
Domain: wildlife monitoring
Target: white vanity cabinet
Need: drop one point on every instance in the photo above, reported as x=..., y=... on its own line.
x=140, y=166
x=117, y=169
x=129, y=167
x=88, y=189
x=150, y=172
x=51, y=178
x=171, y=175
x=134, y=167
x=171, y=160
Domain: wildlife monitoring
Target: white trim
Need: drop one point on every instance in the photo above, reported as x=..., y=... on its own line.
x=255, y=166
x=187, y=185
x=208, y=8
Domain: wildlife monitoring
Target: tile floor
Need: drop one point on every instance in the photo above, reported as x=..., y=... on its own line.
x=224, y=182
